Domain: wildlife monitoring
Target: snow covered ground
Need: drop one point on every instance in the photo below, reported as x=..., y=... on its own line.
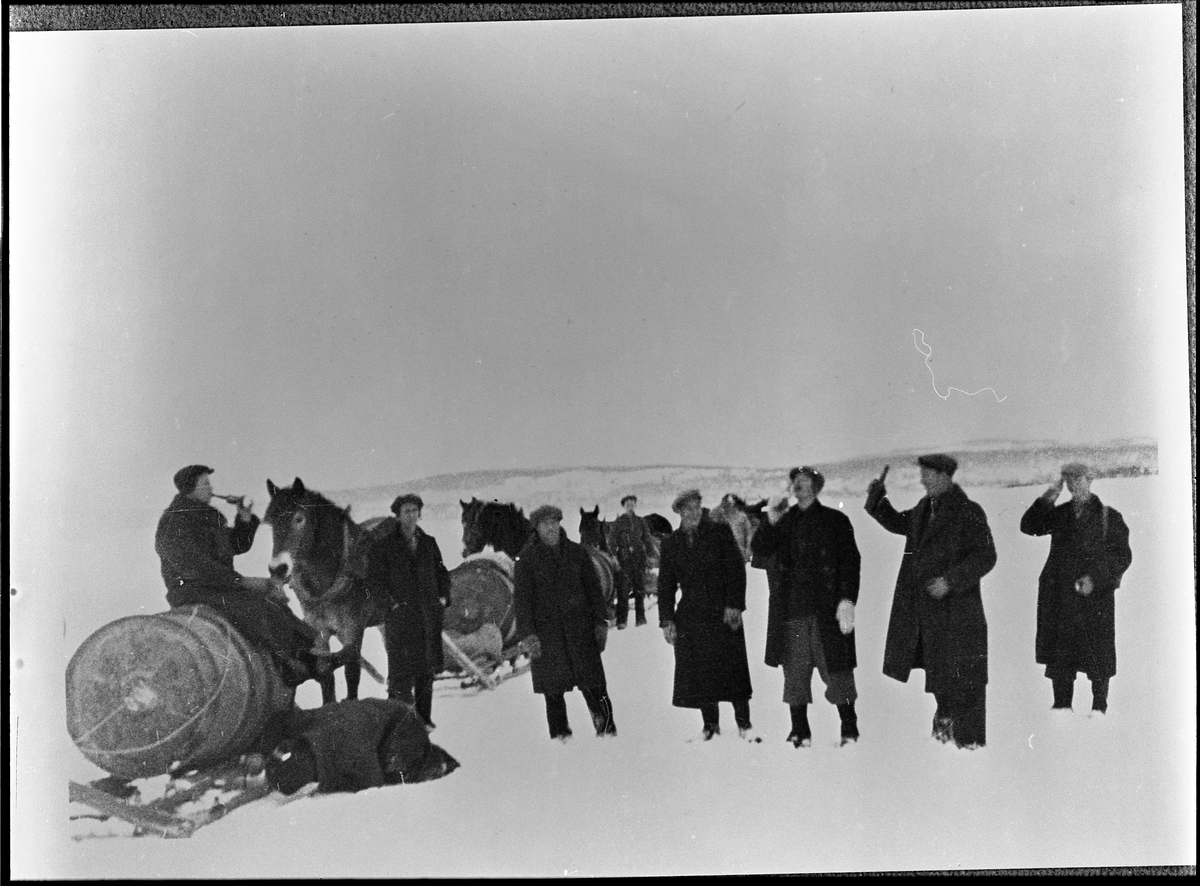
x=1045, y=792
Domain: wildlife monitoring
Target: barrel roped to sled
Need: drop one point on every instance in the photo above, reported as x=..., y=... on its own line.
x=148, y=692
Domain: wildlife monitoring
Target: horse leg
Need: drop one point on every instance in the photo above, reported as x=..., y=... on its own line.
x=353, y=674
x=328, y=689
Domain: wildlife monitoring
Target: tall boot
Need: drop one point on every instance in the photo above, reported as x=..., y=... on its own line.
x=801, y=734
x=1100, y=695
x=600, y=707
x=1064, y=692
x=849, y=722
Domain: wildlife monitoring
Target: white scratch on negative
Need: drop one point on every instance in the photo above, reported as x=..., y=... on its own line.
x=920, y=347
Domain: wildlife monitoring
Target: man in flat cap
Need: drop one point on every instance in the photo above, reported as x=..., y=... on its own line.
x=196, y=546
x=1076, y=604
x=406, y=564
x=563, y=622
x=632, y=543
x=701, y=561
x=937, y=621
x=810, y=614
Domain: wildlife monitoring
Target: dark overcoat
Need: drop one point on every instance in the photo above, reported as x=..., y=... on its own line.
x=558, y=597
x=948, y=537
x=196, y=546
x=419, y=586
x=828, y=556
x=631, y=542
x=707, y=570
x=1074, y=632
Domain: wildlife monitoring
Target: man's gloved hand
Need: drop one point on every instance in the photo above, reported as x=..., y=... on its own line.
x=602, y=635
x=668, y=629
x=1084, y=586
x=733, y=618
x=845, y=616
x=533, y=646
x=938, y=588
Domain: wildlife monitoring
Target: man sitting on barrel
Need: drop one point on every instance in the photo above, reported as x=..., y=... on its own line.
x=196, y=546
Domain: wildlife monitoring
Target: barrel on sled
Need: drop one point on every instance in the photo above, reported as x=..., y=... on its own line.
x=149, y=692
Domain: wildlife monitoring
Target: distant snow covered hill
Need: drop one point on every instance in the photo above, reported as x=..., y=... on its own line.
x=991, y=463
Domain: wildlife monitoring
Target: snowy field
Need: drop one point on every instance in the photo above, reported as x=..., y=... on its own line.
x=1044, y=793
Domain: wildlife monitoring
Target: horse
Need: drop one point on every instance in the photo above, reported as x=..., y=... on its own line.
x=594, y=531
x=593, y=535
x=660, y=527
x=322, y=553
x=503, y=526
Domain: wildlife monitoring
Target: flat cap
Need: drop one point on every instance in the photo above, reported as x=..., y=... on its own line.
x=1076, y=469
x=818, y=479
x=186, y=478
x=409, y=498
x=683, y=498
x=939, y=462
x=629, y=497
x=545, y=512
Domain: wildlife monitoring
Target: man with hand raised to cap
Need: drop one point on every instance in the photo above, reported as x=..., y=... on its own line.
x=1076, y=604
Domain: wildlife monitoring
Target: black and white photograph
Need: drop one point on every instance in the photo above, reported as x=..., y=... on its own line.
x=604, y=445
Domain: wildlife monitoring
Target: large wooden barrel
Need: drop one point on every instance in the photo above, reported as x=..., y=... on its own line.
x=481, y=592
x=150, y=691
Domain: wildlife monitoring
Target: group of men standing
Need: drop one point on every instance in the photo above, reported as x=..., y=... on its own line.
x=936, y=624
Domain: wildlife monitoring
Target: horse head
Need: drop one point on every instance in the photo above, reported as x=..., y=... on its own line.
x=472, y=539
x=308, y=534
x=591, y=529
x=503, y=526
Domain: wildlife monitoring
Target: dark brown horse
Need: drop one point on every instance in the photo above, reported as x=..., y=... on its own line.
x=322, y=554
x=594, y=531
x=593, y=535
x=502, y=526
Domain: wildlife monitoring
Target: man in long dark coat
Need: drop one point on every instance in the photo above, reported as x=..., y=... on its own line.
x=701, y=561
x=631, y=542
x=810, y=616
x=406, y=563
x=937, y=621
x=563, y=623
x=196, y=546
x=1076, y=606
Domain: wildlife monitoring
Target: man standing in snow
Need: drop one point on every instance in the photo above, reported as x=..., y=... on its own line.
x=702, y=562
x=196, y=546
x=810, y=616
x=406, y=563
x=632, y=542
x=937, y=621
x=1076, y=605
x=563, y=623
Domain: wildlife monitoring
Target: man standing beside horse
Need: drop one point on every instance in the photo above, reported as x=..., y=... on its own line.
x=196, y=546
x=406, y=563
x=632, y=542
x=701, y=561
x=563, y=623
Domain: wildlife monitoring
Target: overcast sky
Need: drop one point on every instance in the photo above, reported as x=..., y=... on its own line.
x=363, y=254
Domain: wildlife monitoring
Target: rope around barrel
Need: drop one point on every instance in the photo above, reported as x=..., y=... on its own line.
x=184, y=725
